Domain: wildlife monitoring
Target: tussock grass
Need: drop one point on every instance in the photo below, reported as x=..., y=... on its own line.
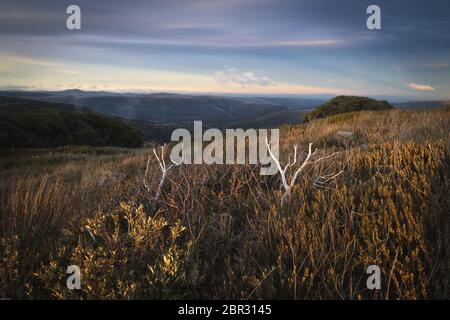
x=221, y=232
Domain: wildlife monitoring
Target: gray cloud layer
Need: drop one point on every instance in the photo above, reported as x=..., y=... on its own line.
x=232, y=22
x=326, y=35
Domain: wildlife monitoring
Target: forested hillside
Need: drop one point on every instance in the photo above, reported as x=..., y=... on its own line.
x=36, y=124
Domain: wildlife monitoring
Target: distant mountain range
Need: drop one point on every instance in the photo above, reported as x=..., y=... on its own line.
x=157, y=114
x=423, y=104
x=167, y=107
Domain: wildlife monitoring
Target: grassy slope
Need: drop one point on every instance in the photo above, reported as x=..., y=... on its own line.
x=221, y=232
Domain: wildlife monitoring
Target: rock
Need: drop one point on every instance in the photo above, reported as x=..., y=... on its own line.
x=364, y=146
x=344, y=134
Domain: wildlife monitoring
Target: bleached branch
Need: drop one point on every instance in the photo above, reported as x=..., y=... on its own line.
x=164, y=170
x=309, y=159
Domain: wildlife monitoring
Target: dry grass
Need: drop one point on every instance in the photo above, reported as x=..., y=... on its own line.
x=220, y=231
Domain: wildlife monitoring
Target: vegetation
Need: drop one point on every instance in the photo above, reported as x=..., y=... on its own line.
x=35, y=124
x=155, y=111
x=221, y=231
x=343, y=104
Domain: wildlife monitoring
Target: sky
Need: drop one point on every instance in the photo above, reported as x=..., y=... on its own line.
x=283, y=47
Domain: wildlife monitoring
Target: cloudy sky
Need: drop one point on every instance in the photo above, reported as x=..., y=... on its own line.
x=229, y=46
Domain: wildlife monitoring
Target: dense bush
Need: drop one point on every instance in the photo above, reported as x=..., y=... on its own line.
x=343, y=104
x=148, y=257
x=43, y=128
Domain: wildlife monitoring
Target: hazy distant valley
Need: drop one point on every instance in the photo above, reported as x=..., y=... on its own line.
x=165, y=107
x=148, y=117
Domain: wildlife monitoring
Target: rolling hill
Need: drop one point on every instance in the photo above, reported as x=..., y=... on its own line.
x=38, y=124
x=343, y=104
x=167, y=107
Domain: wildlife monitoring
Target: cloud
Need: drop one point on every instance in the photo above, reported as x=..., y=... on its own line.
x=232, y=75
x=420, y=87
x=436, y=65
x=397, y=68
x=233, y=41
x=307, y=43
x=30, y=61
x=69, y=71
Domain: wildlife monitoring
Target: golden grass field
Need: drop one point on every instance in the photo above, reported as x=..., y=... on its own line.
x=220, y=232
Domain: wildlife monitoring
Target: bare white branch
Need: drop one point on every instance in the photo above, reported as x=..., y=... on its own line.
x=164, y=170
x=280, y=170
x=287, y=186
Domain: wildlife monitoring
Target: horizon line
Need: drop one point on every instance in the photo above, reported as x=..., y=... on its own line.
x=193, y=93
